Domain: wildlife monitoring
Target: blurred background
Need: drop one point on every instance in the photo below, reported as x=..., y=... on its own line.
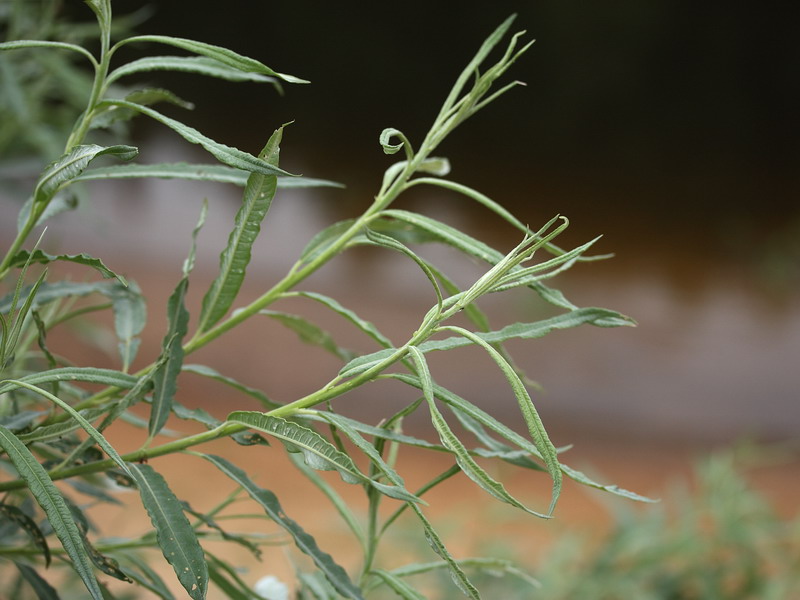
x=668, y=127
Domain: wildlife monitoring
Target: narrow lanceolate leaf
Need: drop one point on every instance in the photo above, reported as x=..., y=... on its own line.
x=200, y=65
x=9, y=512
x=195, y=172
x=130, y=315
x=365, y=326
x=71, y=164
x=16, y=44
x=318, y=452
x=75, y=415
x=223, y=55
x=54, y=506
x=395, y=491
x=233, y=157
x=335, y=574
x=309, y=333
x=206, y=371
x=256, y=200
x=459, y=404
x=397, y=585
x=38, y=256
x=176, y=537
x=599, y=317
x=42, y=589
x=87, y=374
x=467, y=464
x=165, y=380
x=535, y=426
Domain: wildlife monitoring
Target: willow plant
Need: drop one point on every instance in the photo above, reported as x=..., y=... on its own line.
x=54, y=414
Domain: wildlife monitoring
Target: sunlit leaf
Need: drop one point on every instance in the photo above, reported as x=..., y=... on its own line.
x=309, y=333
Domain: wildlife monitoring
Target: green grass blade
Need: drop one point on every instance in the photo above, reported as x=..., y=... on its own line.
x=199, y=65
x=335, y=574
x=218, y=53
x=233, y=157
x=54, y=506
x=38, y=256
x=467, y=464
x=195, y=172
x=256, y=200
x=176, y=537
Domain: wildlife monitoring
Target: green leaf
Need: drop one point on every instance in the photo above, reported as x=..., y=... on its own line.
x=13, y=514
x=397, y=490
x=467, y=464
x=534, y=423
x=87, y=374
x=223, y=55
x=391, y=243
x=130, y=316
x=200, y=65
x=38, y=256
x=54, y=506
x=70, y=165
x=176, y=537
x=75, y=415
x=397, y=585
x=165, y=379
x=459, y=404
x=233, y=261
x=149, y=578
x=348, y=314
x=335, y=574
x=309, y=333
x=17, y=44
x=216, y=376
x=232, y=157
x=195, y=172
x=42, y=589
x=323, y=240
x=318, y=452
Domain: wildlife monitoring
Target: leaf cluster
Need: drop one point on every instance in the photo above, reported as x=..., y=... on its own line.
x=54, y=415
